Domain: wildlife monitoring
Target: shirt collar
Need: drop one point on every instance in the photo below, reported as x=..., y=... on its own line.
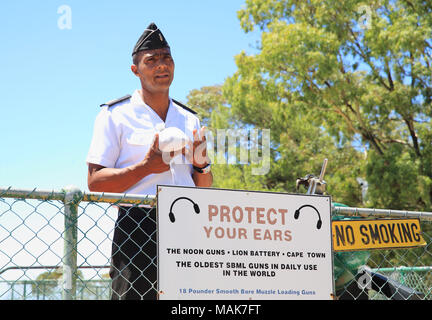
x=137, y=100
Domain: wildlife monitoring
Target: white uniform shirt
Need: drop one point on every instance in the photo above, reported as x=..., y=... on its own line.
x=124, y=132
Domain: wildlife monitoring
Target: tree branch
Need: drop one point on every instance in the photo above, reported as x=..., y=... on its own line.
x=410, y=124
x=367, y=60
x=389, y=77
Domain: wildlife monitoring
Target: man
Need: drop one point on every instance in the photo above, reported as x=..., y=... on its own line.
x=124, y=157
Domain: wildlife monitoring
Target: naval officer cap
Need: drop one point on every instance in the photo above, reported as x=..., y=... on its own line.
x=152, y=38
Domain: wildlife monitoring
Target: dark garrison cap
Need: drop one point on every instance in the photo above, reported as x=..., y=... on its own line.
x=152, y=38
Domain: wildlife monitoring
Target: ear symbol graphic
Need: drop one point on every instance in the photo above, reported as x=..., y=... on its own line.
x=171, y=214
x=297, y=214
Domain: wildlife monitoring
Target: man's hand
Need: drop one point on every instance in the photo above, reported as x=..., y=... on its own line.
x=197, y=151
x=154, y=159
x=102, y=179
x=197, y=155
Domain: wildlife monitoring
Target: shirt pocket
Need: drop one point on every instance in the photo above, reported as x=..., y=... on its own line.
x=136, y=146
x=140, y=138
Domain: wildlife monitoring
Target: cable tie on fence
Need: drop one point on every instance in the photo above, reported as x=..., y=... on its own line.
x=7, y=190
x=100, y=196
x=118, y=201
x=124, y=195
x=30, y=193
x=72, y=194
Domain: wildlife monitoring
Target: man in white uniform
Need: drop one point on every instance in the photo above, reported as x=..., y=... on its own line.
x=124, y=157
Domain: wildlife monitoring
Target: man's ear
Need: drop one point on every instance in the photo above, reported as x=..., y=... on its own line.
x=134, y=69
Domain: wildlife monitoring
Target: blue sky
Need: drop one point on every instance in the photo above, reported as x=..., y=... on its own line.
x=53, y=80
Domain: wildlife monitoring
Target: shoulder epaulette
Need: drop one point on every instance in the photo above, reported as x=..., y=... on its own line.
x=113, y=102
x=183, y=106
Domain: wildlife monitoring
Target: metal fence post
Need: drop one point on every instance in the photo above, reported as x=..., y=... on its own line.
x=71, y=200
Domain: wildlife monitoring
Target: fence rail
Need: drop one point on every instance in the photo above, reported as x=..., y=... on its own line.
x=382, y=213
x=57, y=245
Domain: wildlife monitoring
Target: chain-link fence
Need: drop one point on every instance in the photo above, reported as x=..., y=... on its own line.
x=60, y=245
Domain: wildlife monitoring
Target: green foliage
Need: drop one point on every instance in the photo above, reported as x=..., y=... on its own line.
x=47, y=282
x=345, y=80
x=210, y=103
x=399, y=173
x=204, y=101
x=326, y=80
x=350, y=81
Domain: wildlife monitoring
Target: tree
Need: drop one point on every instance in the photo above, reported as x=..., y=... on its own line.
x=47, y=283
x=347, y=80
x=215, y=114
x=298, y=147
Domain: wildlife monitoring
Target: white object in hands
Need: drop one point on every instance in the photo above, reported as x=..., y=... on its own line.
x=172, y=139
x=160, y=126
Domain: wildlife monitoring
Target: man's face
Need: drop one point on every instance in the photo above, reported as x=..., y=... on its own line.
x=155, y=68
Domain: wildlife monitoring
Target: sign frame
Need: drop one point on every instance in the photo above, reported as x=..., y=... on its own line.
x=329, y=262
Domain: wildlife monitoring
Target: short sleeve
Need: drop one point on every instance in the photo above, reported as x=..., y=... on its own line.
x=105, y=144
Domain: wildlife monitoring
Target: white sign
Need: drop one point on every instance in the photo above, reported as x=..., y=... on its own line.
x=230, y=244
